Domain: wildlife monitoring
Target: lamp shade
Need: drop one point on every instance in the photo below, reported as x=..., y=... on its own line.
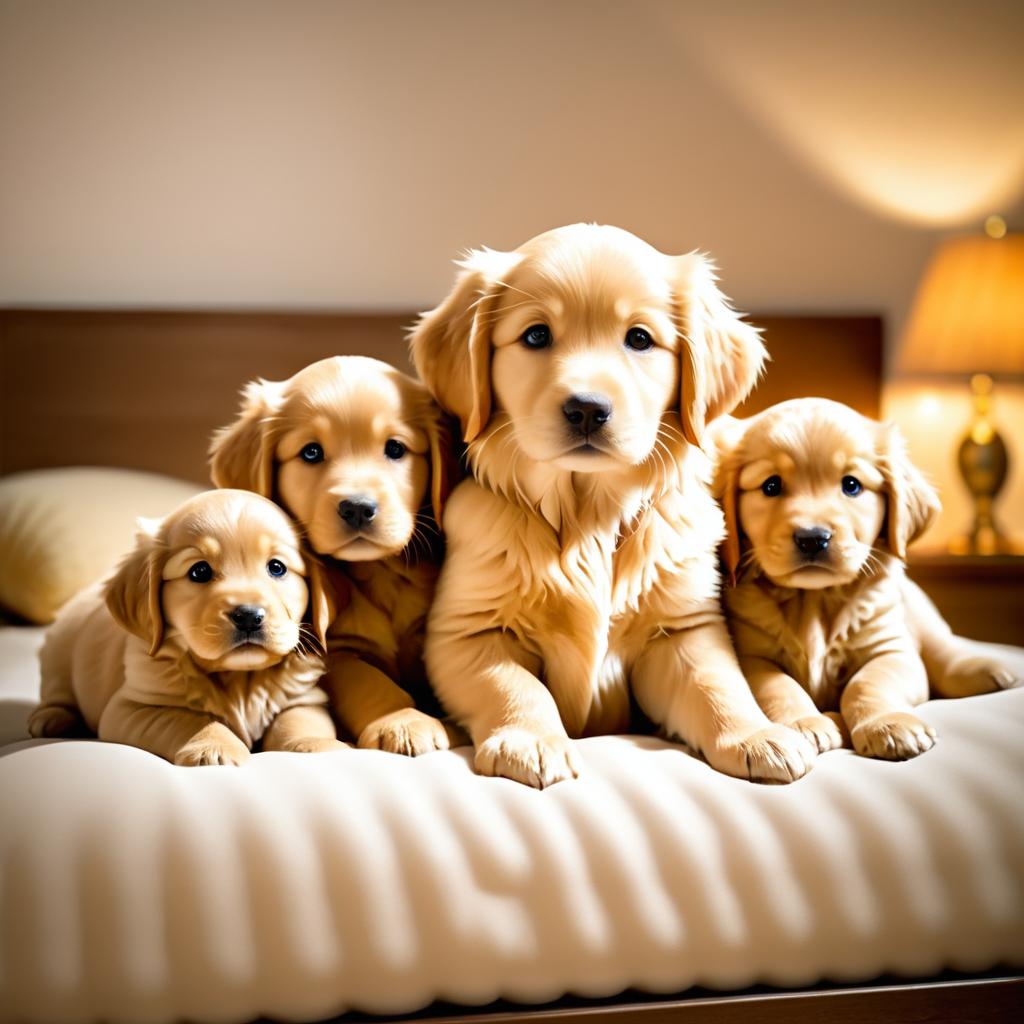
x=968, y=316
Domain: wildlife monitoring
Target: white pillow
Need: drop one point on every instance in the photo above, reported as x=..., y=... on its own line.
x=62, y=529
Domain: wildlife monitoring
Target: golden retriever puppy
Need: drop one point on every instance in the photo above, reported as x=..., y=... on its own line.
x=820, y=505
x=582, y=555
x=357, y=452
x=197, y=647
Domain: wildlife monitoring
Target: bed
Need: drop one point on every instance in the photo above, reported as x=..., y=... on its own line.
x=302, y=887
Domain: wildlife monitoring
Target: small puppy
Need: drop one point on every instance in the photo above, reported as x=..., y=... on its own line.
x=820, y=504
x=582, y=560
x=196, y=648
x=357, y=452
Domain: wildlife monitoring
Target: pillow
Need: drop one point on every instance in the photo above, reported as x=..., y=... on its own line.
x=62, y=529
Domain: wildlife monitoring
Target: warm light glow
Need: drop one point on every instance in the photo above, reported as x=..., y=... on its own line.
x=928, y=405
x=995, y=226
x=888, y=102
x=968, y=315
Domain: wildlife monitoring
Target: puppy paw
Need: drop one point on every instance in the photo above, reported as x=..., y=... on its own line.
x=314, y=745
x=971, y=675
x=212, y=752
x=826, y=731
x=893, y=736
x=775, y=754
x=526, y=757
x=56, y=720
x=409, y=732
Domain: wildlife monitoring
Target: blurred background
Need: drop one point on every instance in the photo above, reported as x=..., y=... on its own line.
x=321, y=155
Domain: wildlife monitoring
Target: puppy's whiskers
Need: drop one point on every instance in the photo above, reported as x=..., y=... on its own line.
x=309, y=643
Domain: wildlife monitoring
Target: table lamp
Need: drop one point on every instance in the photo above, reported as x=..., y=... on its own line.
x=967, y=322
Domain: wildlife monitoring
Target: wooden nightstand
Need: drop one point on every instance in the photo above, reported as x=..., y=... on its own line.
x=982, y=597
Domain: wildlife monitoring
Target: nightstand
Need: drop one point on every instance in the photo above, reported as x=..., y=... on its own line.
x=981, y=596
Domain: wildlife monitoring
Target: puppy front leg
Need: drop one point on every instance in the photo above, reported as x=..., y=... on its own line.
x=304, y=729
x=378, y=712
x=958, y=667
x=690, y=683
x=184, y=737
x=876, y=705
x=483, y=680
x=785, y=701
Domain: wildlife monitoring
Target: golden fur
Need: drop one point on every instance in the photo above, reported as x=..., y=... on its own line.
x=351, y=407
x=824, y=636
x=582, y=568
x=153, y=659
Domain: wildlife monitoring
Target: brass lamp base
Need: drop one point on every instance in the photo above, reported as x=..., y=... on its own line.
x=984, y=465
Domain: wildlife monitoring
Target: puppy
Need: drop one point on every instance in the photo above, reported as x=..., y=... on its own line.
x=820, y=505
x=357, y=452
x=581, y=562
x=196, y=648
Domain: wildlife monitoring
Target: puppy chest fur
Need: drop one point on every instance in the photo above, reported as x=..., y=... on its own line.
x=385, y=618
x=583, y=599
x=246, y=702
x=821, y=638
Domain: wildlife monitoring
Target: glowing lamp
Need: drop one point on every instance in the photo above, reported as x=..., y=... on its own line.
x=967, y=322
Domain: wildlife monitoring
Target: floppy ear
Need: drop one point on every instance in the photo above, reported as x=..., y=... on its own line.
x=443, y=465
x=726, y=489
x=451, y=345
x=722, y=356
x=328, y=595
x=132, y=594
x=912, y=503
x=242, y=455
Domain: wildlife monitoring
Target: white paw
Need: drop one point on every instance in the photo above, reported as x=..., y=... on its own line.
x=893, y=736
x=774, y=754
x=314, y=745
x=980, y=673
x=526, y=757
x=826, y=731
x=56, y=720
x=212, y=752
x=409, y=732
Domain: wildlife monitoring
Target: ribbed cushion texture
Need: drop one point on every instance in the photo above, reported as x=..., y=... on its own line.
x=301, y=886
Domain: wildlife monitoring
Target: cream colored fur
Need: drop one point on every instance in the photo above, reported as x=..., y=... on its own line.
x=151, y=658
x=351, y=407
x=575, y=576
x=830, y=646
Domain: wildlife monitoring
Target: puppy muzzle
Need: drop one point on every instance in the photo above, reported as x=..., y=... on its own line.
x=812, y=543
x=358, y=512
x=586, y=414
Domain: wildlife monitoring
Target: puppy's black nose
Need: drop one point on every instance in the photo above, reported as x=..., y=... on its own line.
x=248, y=617
x=588, y=413
x=812, y=541
x=357, y=511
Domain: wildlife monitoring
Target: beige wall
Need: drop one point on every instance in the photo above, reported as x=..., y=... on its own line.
x=318, y=154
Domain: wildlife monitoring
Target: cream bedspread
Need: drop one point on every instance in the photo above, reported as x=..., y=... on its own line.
x=301, y=885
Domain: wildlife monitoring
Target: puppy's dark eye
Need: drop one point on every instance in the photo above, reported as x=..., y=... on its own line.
x=312, y=453
x=537, y=336
x=276, y=568
x=200, y=572
x=638, y=339
x=772, y=487
x=394, y=449
x=852, y=486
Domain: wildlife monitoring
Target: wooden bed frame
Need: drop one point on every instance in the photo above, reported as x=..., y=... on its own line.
x=145, y=389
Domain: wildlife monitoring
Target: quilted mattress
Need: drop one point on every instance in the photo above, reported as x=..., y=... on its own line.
x=300, y=886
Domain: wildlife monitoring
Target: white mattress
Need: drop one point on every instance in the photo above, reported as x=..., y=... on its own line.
x=303, y=885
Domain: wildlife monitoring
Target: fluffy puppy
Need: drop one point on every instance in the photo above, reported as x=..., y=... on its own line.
x=581, y=562
x=820, y=505
x=196, y=648
x=357, y=452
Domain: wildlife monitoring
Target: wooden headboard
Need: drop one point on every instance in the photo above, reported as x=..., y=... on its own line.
x=146, y=389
